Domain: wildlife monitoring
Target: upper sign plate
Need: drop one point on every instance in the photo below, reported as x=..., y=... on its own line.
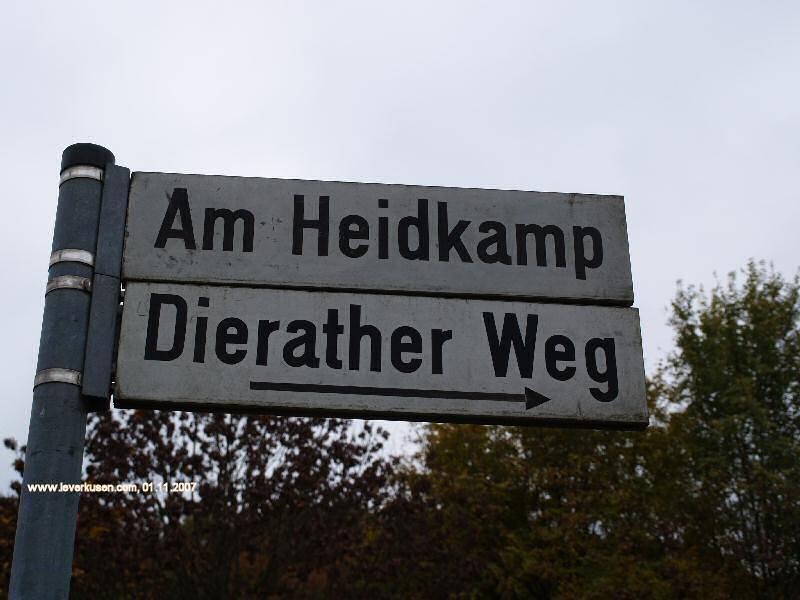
x=390, y=238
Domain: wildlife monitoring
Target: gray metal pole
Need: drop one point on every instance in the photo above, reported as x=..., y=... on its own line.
x=43, y=547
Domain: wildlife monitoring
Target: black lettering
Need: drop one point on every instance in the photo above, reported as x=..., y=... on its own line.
x=438, y=338
x=200, y=332
x=399, y=347
x=581, y=262
x=500, y=348
x=151, y=351
x=322, y=225
x=332, y=329
x=383, y=231
x=229, y=219
x=540, y=235
x=553, y=355
x=178, y=203
x=307, y=341
x=346, y=234
x=497, y=239
x=451, y=239
x=265, y=328
x=609, y=376
x=420, y=223
x=200, y=340
x=357, y=333
x=226, y=337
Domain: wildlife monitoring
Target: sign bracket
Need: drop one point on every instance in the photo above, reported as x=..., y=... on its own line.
x=106, y=296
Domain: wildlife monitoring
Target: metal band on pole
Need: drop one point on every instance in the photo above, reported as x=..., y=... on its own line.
x=57, y=376
x=81, y=171
x=72, y=255
x=43, y=547
x=71, y=282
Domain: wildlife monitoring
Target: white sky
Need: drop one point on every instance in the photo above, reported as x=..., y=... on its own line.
x=690, y=110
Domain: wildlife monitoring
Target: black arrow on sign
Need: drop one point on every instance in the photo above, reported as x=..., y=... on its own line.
x=531, y=398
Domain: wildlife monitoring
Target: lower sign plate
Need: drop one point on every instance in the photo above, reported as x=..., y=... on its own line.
x=413, y=358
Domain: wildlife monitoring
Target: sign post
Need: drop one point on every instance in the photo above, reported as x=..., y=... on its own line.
x=45, y=537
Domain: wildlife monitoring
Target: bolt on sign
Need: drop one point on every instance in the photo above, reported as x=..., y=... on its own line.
x=371, y=300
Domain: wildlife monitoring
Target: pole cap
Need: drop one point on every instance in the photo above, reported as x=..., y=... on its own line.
x=86, y=154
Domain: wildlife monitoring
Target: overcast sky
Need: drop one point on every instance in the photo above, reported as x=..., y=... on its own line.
x=690, y=110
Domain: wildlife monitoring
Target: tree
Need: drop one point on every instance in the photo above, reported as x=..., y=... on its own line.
x=280, y=502
x=278, y=510
x=736, y=377
x=9, y=506
x=538, y=513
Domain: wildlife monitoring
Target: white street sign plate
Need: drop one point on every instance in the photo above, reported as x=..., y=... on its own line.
x=385, y=356
x=392, y=238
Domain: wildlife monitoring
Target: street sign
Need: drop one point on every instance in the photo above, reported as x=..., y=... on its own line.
x=318, y=298
x=386, y=356
x=389, y=238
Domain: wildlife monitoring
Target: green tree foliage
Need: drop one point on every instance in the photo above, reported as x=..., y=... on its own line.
x=738, y=376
